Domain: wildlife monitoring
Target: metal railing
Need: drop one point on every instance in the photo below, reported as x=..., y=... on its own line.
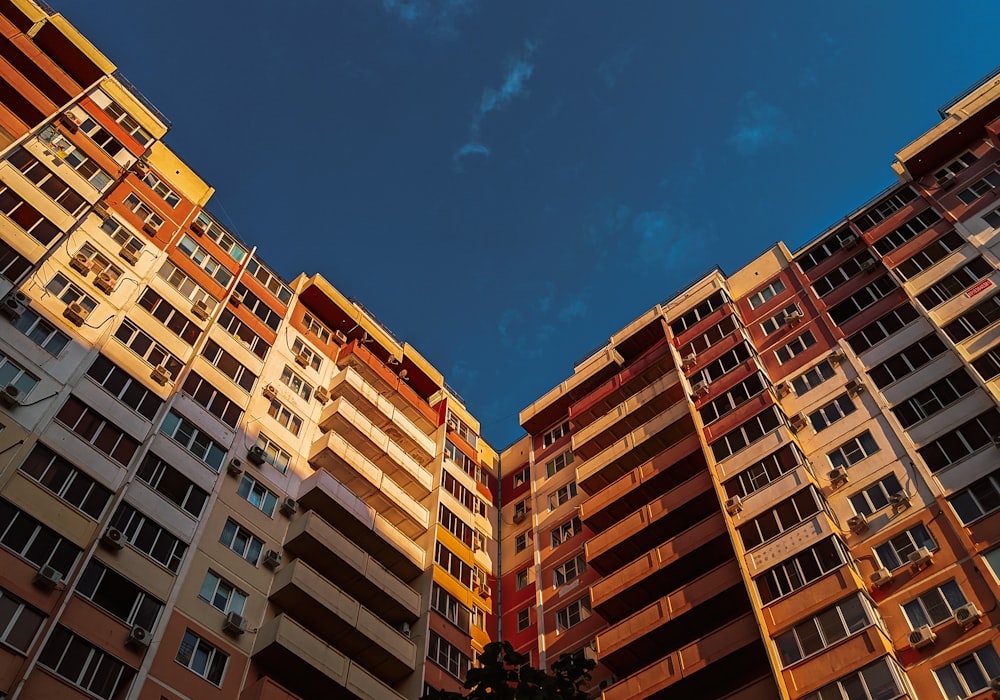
x=130, y=86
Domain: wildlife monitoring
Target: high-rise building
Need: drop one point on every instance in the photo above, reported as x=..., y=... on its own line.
x=213, y=482
x=782, y=482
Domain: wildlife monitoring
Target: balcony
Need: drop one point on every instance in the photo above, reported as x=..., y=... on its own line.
x=627, y=416
x=587, y=375
x=359, y=522
x=347, y=421
x=665, y=471
x=355, y=571
x=384, y=414
x=390, y=386
x=308, y=666
x=342, y=621
x=640, y=445
x=336, y=455
x=836, y=661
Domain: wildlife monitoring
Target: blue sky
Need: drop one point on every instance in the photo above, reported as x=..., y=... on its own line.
x=506, y=184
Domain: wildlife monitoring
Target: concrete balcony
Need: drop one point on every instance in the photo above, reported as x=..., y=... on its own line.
x=347, y=421
x=308, y=666
x=355, y=571
x=653, y=523
x=836, y=661
x=643, y=443
x=670, y=468
x=335, y=454
x=627, y=416
x=390, y=386
x=790, y=542
x=361, y=524
x=342, y=621
x=384, y=414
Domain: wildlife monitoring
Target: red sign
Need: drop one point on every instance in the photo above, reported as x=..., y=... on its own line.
x=979, y=286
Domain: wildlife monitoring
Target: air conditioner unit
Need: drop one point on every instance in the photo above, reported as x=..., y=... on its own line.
x=734, y=505
x=857, y=523
x=793, y=317
x=699, y=388
x=104, y=282
x=75, y=313
x=47, y=577
x=11, y=396
x=899, y=501
x=921, y=558
x=14, y=304
x=405, y=629
x=302, y=359
x=849, y=241
x=797, y=422
x=995, y=685
x=855, y=387
x=322, y=394
x=235, y=298
x=341, y=337
x=200, y=309
x=520, y=516
x=880, y=578
x=270, y=392
x=256, y=455
x=128, y=254
x=452, y=424
x=113, y=538
x=783, y=388
x=160, y=375
x=868, y=265
x=101, y=209
x=138, y=637
x=921, y=637
x=272, y=559
x=289, y=506
x=837, y=476
x=70, y=121
x=80, y=263
x=689, y=360
x=483, y=590
x=198, y=227
x=947, y=181
x=996, y=440
x=967, y=615
x=836, y=357
x=234, y=624
x=150, y=229
x=140, y=168
x=235, y=467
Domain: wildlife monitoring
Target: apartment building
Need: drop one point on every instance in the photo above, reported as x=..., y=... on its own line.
x=213, y=482
x=782, y=482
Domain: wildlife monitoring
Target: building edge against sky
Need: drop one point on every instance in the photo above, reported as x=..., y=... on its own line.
x=775, y=483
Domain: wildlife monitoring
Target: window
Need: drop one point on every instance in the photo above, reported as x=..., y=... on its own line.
x=772, y=324
x=313, y=358
x=76, y=158
x=102, y=137
x=66, y=481
x=749, y=432
x=296, y=383
x=243, y=333
x=894, y=553
x=732, y=399
x=41, y=332
x=881, y=680
x=760, y=474
x=455, y=454
x=956, y=166
x=725, y=363
x=992, y=558
x=463, y=430
x=255, y=305
x=769, y=292
x=955, y=283
x=702, y=310
x=172, y=485
x=270, y=280
x=979, y=498
x=150, y=219
x=229, y=365
x=122, y=386
x=523, y=619
x=450, y=562
x=448, y=657
x=257, y=495
x=19, y=623
x=930, y=255
x=455, y=525
x=160, y=188
x=185, y=285
x=215, y=231
x=521, y=580
x=801, y=569
x=47, y=181
x=121, y=235
x=562, y=495
x=827, y=247
x=449, y=606
x=711, y=336
x=111, y=591
x=202, y=658
x=783, y=517
x=456, y=489
x=241, y=541
x=827, y=415
x=124, y=120
x=212, y=400
x=876, y=496
x=978, y=318
x=988, y=364
x=94, y=428
x=967, y=676
x=26, y=217
x=825, y=629
x=885, y=208
x=284, y=416
x=885, y=326
x=97, y=262
x=201, y=257
x=521, y=477
x=795, y=347
x=908, y=231
x=564, y=573
x=69, y=293
x=573, y=614
x=557, y=433
x=143, y=345
x=993, y=218
x=273, y=453
x=934, y=606
x=521, y=541
x=28, y=538
x=13, y=265
x=979, y=188
x=221, y=594
x=929, y=401
x=559, y=463
x=149, y=537
x=193, y=440
x=812, y=378
x=85, y=665
x=13, y=374
x=909, y=360
x=830, y=281
x=565, y=531
x=164, y=312
x=316, y=328
x=961, y=442
x=862, y=299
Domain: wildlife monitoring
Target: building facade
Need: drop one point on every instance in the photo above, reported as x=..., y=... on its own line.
x=782, y=482
x=213, y=482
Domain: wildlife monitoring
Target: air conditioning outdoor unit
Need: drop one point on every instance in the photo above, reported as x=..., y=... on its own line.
x=921, y=637
x=302, y=359
x=75, y=313
x=47, y=577
x=849, y=241
x=150, y=229
x=140, y=168
x=921, y=558
x=699, y=388
x=138, y=637
x=855, y=387
x=128, y=254
x=322, y=394
x=783, y=388
x=868, y=265
x=104, y=282
x=289, y=506
x=947, y=181
x=452, y=424
x=235, y=298
x=899, y=501
x=160, y=375
x=520, y=516
x=200, y=309
x=113, y=538
x=734, y=505
x=405, y=629
x=793, y=317
x=689, y=360
x=341, y=337
x=484, y=590
x=857, y=523
x=14, y=304
x=881, y=578
x=967, y=615
x=235, y=467
x=255, y=455
x=797, y=422
x=234, y=624
x=11, y=396
x=272, y=559
x=837, y=476
x=198, y=227
x=70, y=121
x=836, y=357
x=80, y=263
x=995, y=686
x=270, y=392
x=101, y=209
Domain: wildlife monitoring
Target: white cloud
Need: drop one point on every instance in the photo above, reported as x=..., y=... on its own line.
x=759, y=125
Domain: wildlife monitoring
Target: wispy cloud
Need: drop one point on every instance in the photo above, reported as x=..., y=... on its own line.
x=574, y=309
x=542, y=313
x=437, y=17
x=515, y=84
x=759, y=125
x=611, y=68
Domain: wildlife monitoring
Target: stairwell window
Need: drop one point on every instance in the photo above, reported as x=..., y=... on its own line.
x=242, y=541
x=566, y=531
x=284, y=416
x=795, y=347
x=894, y=553
x=573, y=614
x=201, y=657
x=557, y=433
x=171, y=198
x=934, y=606
x=553, y=466
x=827, y=415
x=221, y=594
x=767, y=293
x=257, y=495
x=564, y=573
x=978, y=499
x=274, y=454
x=561, y=495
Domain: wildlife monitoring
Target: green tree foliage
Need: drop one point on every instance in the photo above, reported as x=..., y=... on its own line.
x=505, y=675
